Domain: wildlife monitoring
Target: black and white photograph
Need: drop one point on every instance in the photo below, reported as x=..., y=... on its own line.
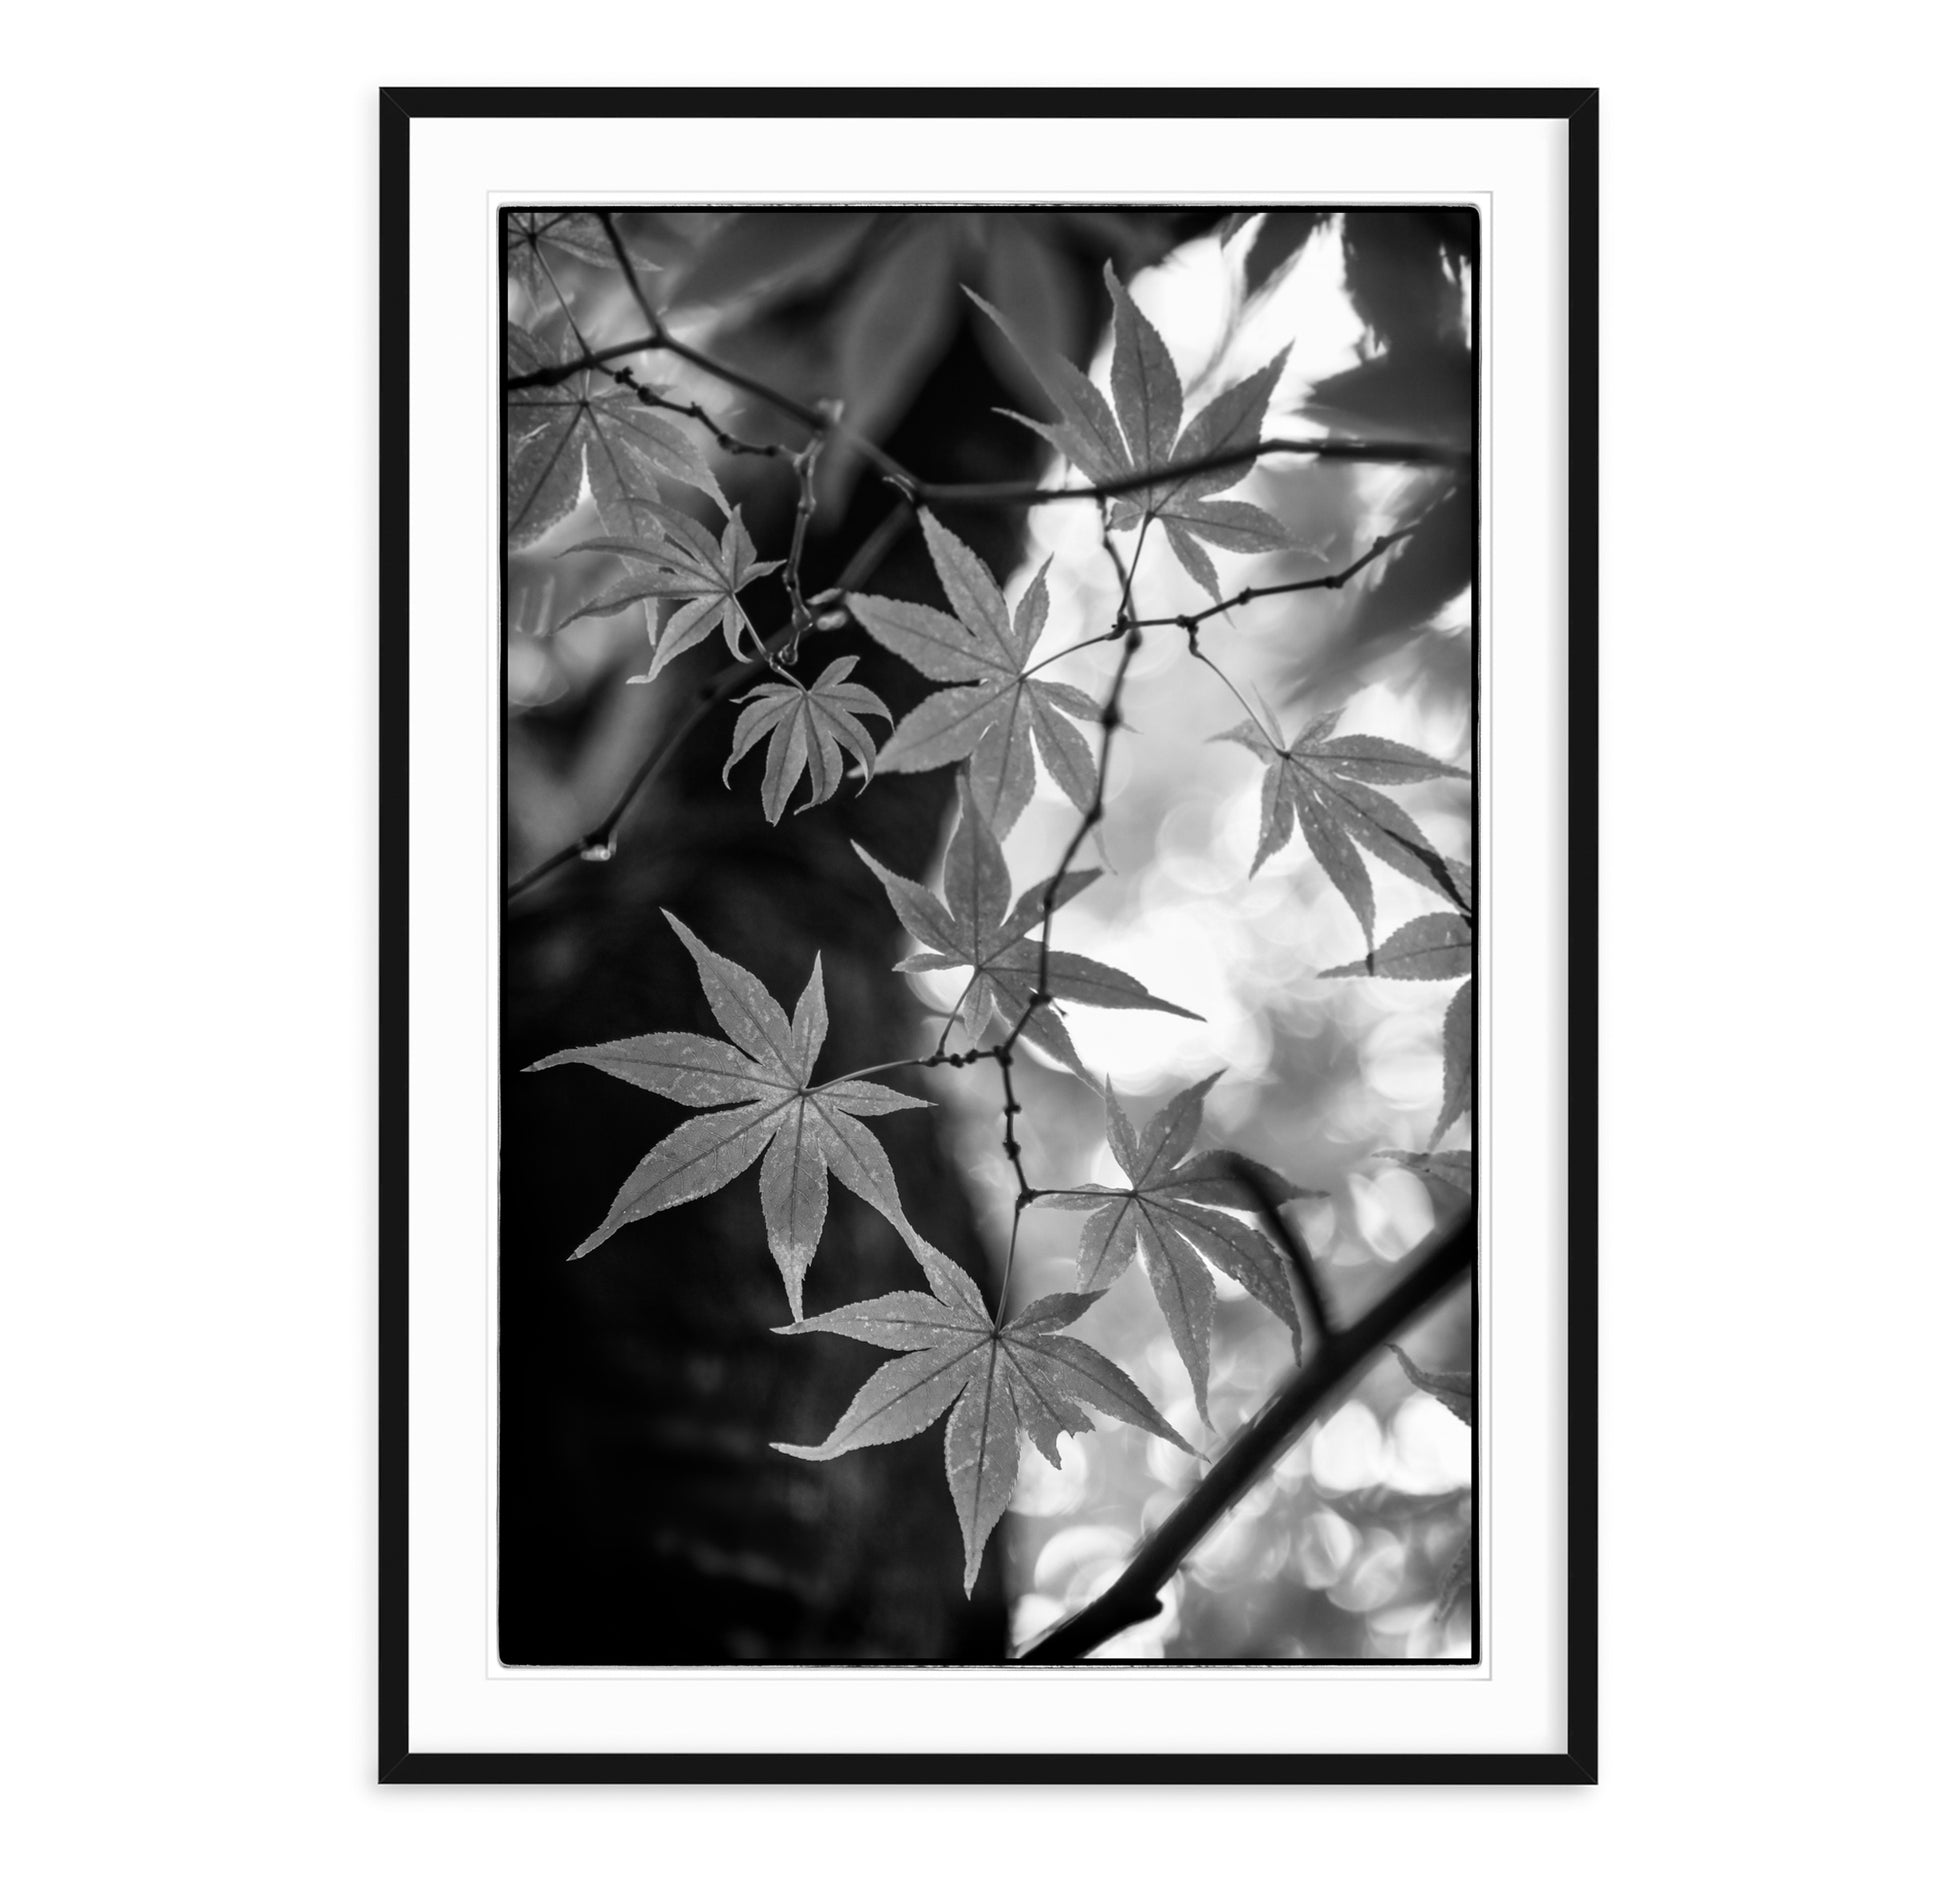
x=917, y=961
x=917, y=967
x=987, y=1047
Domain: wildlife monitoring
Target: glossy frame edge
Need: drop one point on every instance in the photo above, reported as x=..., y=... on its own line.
x=397, y=1762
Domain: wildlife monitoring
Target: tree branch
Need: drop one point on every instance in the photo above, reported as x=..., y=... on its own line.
x=691, y=409
x=1004, y=495
x=555, y=376
x=1349, y=451
x=805, y=465
x=1441, y=1262
x=1336, y=581
x=1038, y=996
x=1130, y=637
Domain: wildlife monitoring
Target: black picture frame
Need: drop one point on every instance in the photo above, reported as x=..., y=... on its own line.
x=1578, y=108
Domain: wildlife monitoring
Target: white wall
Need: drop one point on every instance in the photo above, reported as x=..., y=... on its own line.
x=189, y=746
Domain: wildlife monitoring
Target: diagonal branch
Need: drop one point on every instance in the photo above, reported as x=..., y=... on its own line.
x=1442, y=1261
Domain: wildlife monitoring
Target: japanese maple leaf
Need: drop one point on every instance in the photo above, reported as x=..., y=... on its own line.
x=681, y=561
x=760, y=1081
x=1435, y=948
x=554, y=431
x=1428, y=949
x=1145, y=432
x=810, y=729
x=1454, y=1392
x=1000, y=712
x=981, y=927
x=1324, y=784
x=1448, y=1169
x=1169, y=1213
x=997, y=1379
x=1451, y=1389
x=538, y=238
x=1456, y=1042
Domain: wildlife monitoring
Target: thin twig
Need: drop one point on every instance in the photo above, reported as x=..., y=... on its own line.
x=1336, y=581
x=937, y=1059
x=626, y=263
x=1111, y=719
x=1039, y=995
x=1197, y=654
x=1002, y=495
x=1087, y=642
x=691, y=409
x=1022, y=494
x=1010, y=1138
x=660, y=340
x=948, y=1019
x=574, y=326
x=1441, y=1262
x=544, y=377
x=805, y=465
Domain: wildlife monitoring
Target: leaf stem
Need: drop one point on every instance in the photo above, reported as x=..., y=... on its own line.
x=937, y=1059
x=1007, y=1270
x=1010, y=1137
x=574, y=326
x=1111, y=719
x=952, y=1016
x=1107, y=635
x=1196, y=654
x=805, y=464
x=1039, y=994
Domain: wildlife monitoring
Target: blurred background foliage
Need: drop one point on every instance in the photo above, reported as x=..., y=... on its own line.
x=1343, y=1551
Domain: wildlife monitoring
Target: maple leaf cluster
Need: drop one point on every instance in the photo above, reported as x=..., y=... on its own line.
x=999, y=1380
x=760, y=1081
x=679, y=560
x=1184, y=1212
x=556, y=433
x=998, y=712
x=1168, y=1214
x=810, y=730
x=1435, y=948
x=1144, y=433
x=980, y=926
x=537, y=240
x=758, y=1100
x=1325, y=784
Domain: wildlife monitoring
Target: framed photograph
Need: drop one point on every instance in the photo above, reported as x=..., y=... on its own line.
x=989, y=764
